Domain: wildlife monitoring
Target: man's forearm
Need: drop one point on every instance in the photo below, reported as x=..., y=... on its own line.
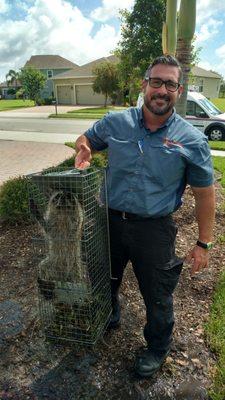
x=205, y=211
x=82, y=140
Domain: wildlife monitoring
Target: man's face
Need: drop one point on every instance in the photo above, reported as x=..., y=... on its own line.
x=160, y=101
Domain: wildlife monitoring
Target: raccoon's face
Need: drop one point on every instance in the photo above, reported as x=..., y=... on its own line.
x=61, y=201
x=64, y=214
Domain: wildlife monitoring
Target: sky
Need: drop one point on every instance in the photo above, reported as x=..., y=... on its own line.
x=85, y=30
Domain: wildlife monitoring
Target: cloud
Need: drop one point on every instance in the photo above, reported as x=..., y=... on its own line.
x=205, y=65
x=4, y=7
x=55, y=27
x=220, y=52
x=110, y=9
x=209, y=8
x=208, y=30
x=217, y=67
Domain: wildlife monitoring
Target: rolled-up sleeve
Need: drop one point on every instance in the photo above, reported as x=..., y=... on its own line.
x=97, y=135
x=199, y=166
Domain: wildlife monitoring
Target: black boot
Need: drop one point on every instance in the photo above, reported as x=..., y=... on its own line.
x=149, y=362
x=114, y=321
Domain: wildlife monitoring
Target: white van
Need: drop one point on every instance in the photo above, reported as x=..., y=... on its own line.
x=205, y=116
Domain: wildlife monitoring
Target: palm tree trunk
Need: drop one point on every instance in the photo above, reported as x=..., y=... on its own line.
x=183, y=55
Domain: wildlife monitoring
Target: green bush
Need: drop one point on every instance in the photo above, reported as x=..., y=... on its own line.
x=48, y=101
x=14, y=203
x=14, y=197
x=11, y=91
x=20, y=93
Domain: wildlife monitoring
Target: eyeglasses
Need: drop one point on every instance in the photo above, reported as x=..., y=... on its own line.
x=157, y=83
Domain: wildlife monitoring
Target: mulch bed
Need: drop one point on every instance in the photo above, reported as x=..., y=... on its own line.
x=31, y=368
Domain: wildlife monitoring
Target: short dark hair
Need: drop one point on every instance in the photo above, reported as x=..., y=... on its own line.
x=165, y=60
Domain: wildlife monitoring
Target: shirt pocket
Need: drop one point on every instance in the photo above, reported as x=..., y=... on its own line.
x=165, y=165
x=121, y=153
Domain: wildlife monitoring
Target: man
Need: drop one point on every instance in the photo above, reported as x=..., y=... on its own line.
x=152, y=155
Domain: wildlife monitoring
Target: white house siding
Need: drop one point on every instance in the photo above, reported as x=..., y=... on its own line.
x=210, y=86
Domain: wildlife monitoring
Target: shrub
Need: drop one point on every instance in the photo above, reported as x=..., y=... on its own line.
x=48, y=101
x=14, y=197
x=11, y=91
x=20, y=93
x=14, y=204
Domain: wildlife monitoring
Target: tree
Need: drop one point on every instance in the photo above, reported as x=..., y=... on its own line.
x=32, y=82
x=185, y=35
x=106, y=81
x=141, y=38
x=12, y=78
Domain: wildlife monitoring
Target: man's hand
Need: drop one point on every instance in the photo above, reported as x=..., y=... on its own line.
x=198, y=258
x=83, y=157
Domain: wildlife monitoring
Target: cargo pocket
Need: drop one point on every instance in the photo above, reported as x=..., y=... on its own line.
x=167, y=277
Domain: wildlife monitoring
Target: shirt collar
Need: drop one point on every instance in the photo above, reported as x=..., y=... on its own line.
x=166, y=123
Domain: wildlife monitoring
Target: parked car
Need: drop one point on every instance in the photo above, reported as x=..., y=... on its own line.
x=205, y=116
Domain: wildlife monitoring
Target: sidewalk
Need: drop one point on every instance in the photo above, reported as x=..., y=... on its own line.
x=39, y=111
x=21, y=158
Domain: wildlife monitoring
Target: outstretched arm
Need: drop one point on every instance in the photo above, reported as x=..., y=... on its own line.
x=205, y=215
x=83, y=152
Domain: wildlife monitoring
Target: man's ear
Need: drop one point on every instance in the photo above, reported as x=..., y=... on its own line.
x=180, y=90
x=143, y=85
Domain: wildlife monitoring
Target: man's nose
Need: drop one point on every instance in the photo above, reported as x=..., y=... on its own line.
x=162, y=89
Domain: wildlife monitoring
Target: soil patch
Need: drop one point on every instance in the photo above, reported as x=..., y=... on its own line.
x=35, y=370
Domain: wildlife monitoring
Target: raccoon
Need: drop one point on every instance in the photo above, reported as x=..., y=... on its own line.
x=63, y=225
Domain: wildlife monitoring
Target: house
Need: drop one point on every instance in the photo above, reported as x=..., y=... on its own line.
x=72, y=84
x=75, y=86
x=207, y=82
x=8, y=90
x=50, y=66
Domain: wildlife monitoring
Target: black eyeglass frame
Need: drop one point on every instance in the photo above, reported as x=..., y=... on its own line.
x=163, y=83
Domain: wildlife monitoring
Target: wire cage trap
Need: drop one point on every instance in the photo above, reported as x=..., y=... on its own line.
x=72, y=249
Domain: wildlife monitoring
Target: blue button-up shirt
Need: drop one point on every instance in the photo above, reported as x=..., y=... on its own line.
x=148, y=171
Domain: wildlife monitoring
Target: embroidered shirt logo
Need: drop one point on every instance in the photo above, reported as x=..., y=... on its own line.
x=171, y=143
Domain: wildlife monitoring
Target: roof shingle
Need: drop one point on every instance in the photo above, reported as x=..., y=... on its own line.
x=49, y=62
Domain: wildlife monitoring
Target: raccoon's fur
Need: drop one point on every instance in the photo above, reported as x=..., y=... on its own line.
x=63, y=224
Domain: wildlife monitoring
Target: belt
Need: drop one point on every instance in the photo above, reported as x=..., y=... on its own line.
x=126, y=215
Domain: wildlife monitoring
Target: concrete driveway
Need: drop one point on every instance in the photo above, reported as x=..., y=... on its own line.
x=39, y=111
x=21, y=158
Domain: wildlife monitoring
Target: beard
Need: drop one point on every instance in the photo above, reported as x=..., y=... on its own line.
x=154, y=108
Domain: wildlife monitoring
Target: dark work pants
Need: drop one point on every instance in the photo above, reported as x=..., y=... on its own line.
x=150, y=245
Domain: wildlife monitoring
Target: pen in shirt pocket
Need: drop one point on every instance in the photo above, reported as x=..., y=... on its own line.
x=140, y=145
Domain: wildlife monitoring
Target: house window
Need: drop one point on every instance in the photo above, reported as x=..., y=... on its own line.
x=201, y=82
x=49, y=73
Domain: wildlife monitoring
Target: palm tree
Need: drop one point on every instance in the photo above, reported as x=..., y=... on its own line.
x=12, y=78
x=186, y=29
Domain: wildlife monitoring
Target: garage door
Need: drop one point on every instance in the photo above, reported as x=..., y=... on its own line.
x=86, y=96
x=64, y=94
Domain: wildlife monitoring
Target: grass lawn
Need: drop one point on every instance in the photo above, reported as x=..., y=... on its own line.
x=219, y=165
x=217, y=145
x=220, y=103
x=88, y=113
x=215, y=328
x=14, y=104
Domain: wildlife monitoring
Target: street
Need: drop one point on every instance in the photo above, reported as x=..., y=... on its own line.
x=42, y=129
